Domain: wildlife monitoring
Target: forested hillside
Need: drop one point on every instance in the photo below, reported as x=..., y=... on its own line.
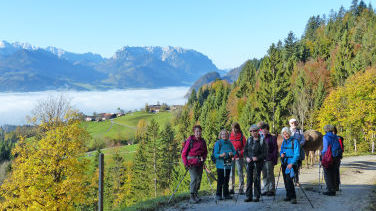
x=294, y=80
x=318, y=79
x=326, y=76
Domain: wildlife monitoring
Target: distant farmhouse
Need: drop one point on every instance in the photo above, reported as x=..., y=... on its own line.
x=102, y=117
x=148, y=108
x=163, y=107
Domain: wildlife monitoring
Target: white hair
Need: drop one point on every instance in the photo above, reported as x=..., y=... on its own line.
x=287, y=130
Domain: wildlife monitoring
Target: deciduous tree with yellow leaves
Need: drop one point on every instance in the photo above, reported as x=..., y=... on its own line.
x=352, y=109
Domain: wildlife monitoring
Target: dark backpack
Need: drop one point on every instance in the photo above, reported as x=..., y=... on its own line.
x=336, y=148
x=327, y=159
x=212, y=155
x=183, y=145
x=302, y=155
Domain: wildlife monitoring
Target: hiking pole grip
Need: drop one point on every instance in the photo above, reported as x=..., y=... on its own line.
x=177, y=186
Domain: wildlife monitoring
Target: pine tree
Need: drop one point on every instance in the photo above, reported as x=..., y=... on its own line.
x=273, y=96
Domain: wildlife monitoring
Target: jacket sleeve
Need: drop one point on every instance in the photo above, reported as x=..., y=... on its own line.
x=233, y=149
x=274, y=150
x=325, y=145
x=296, y=157
x=205, y=154
x=242, y=150
x=184, y=153
x=282, y=148
x=246, y=149
x=216, y=150
x=264, y=152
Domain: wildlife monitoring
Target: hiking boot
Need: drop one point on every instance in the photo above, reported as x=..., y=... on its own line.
x=329, y=193
x=256, y=200
x=218, y=198
x=193, y=199
x=197, y=198
x=287, y=199
x=270, y=193
x=232, y=191
x=248, y=200
x=293, y=201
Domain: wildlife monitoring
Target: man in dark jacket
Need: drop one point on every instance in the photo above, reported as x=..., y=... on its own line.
x=255, y=152
x=270, y=161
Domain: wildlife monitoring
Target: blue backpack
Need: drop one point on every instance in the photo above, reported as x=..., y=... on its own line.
x=336, y=147
x=212, y=155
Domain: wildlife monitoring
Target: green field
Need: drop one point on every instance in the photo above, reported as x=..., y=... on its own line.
x=127, y=152
x=121, y=130
x=123, y=127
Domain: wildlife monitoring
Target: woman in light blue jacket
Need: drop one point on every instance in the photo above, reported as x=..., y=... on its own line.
x=290, y=153
x=224, y=151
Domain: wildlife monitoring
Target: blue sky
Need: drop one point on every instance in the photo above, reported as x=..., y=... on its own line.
x=228, y=32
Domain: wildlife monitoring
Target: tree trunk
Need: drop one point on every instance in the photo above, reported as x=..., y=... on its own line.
x=355, y=145
x=155, y=171
x=373, y=143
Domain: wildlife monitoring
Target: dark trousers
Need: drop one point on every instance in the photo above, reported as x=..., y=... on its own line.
x=196, y=175
x=297, y=172
x=254, y=179
x=222, y=183
x=289, y=183
x=331, y=175
x=338, y=181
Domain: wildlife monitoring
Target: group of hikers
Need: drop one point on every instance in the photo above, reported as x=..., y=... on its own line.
x=258, y=154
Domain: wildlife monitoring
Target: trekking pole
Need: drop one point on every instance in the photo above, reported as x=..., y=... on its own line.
x=207, y=175
x=178, y=186
x=276, y=187
x=237, y=195
x=259, y=179
x=301, y=188
x=320, y=178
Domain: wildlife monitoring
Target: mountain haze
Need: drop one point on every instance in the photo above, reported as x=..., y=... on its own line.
x=24, y=67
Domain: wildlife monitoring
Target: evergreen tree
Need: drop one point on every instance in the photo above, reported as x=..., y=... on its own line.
x=273, y=95
x=142, y=174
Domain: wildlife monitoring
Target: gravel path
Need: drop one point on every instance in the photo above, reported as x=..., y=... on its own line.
x=358, y=177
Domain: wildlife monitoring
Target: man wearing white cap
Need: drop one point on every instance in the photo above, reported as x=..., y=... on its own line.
x=298, y=134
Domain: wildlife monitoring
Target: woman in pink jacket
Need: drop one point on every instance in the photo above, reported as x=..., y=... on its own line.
x=194, y=155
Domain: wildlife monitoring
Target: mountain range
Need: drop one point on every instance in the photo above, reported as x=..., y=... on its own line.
x=24, y=67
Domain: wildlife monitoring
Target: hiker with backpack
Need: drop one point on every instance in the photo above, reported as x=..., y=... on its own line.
x=224, y=151
x=270, y=161
x=340, y=139
x=298, y=134
x=255, y=152
x=238, y=141
x=290, y=153
x=194, y=155
x=331, y=156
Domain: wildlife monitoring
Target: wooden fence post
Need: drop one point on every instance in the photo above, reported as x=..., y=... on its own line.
x=100, y=183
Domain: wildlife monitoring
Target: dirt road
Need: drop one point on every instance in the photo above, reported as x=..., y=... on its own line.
x=358, y=177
